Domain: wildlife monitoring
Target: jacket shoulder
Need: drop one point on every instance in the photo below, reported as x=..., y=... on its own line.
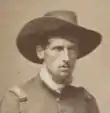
x=20, y=90
x=16, y=97
x=31, y=83
x=81, y=91
x=11, y=101
x=92, y=102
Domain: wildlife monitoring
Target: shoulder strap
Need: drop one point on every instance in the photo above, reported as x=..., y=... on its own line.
x=23, y=99
x=19, y=93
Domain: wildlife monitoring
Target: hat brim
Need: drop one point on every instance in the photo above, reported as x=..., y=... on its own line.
x=35, y=32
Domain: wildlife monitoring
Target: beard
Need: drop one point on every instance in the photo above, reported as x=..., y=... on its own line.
x=67, y=80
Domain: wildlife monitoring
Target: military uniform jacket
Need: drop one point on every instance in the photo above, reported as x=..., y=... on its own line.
x=35, y=97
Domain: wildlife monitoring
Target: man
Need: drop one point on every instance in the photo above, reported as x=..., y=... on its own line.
x=56, y=41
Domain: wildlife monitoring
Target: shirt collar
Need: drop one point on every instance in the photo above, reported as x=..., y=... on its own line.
x=47, y=79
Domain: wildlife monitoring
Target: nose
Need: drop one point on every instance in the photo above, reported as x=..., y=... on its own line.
x=65, y=55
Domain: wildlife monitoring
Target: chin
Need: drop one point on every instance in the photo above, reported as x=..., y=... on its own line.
x=64, y=74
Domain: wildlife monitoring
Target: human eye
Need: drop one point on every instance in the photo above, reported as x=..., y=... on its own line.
x=73, y=50
x=58, y=48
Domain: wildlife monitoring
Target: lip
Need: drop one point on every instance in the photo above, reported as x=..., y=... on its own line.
x=66, y=68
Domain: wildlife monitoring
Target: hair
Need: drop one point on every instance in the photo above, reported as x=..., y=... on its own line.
x=43, y=43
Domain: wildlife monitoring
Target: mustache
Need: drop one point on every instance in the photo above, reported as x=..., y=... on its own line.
x=66, y=65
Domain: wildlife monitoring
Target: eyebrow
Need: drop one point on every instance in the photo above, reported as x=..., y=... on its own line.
x=57, y=46
x=61, y=46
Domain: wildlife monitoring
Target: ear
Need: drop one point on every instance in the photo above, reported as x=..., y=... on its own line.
x=40, y=52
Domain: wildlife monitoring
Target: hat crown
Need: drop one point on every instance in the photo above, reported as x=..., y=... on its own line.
x=68, y=16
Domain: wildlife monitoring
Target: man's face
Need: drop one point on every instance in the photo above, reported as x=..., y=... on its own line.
x=59, y=58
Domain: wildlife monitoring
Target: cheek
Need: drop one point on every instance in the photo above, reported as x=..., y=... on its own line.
x=72, y=61
x=73, y=56
x=50, y=58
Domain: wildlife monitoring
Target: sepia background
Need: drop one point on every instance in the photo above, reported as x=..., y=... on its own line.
x=92, y=71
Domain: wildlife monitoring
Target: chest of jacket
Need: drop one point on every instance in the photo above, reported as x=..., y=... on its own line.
x=42, y=100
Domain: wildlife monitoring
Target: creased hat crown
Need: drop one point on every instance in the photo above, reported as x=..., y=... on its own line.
x=68, y=16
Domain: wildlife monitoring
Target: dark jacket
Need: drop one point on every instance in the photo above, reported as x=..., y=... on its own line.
x=35, y=97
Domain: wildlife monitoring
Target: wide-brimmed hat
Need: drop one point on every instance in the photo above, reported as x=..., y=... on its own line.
x=55, y=23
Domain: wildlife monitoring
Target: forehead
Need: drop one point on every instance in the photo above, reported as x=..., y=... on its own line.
x=61, y=41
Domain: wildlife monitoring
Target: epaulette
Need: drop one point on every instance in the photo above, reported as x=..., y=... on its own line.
x=19, y=93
